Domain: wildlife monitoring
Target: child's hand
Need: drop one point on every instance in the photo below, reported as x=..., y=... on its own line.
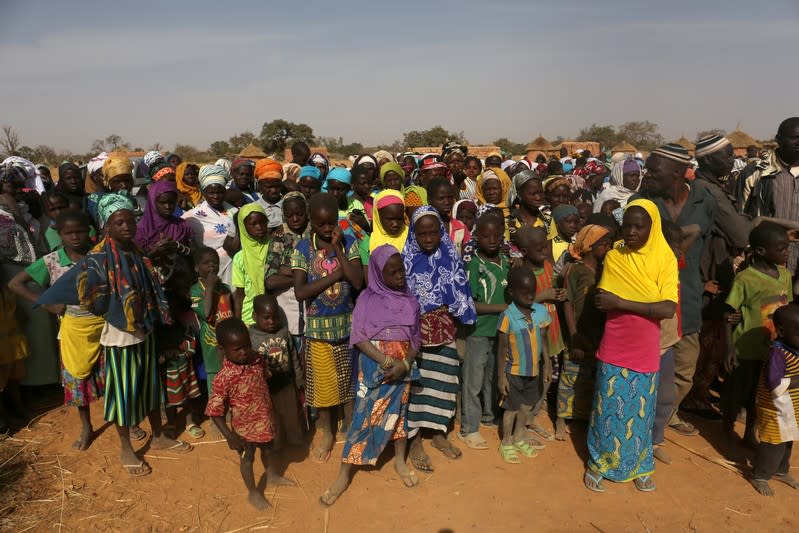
x=552, y=295
x=606, y=301
x=712, y=287
x=396, y=372
x=235, y=442
x=56, y=309
x=730, y=360
x=734, y=318
x=502, y=383
x=337, y=238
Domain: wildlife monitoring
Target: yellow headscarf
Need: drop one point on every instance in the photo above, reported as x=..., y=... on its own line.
x=646, y=275
x=116, y=166
x=379, y=236
x=504, y=182
x=193, y=193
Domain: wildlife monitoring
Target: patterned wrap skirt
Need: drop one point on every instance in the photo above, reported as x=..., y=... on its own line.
x=132, y=385
x=328, y=373
x=433, y=396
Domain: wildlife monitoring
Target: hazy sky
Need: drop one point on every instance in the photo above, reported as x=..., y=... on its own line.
x=199, y=71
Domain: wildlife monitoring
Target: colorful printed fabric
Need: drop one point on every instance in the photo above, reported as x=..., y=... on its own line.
x=221, y=310
x=83, y=392
x=211, y=228
x=777, y=401
x=525, y=339
x=328, y=373
x=132, y=387
x=576, y=389
x=620, y=429
x=545, y=279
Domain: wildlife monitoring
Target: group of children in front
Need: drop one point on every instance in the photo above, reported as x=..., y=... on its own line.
x=510, y=305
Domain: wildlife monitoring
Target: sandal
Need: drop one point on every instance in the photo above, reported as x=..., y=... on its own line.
x=320, y=456
x=178, y=447
x=593, y=481
x=684, y=428
x=525, y=449
x=195, y=431
x=447, y=449
x=508, y=453
x=143, y=469
x=645, y=483
x=542, y=431
x=475, y=441
x=137, y=433
x=421, y=462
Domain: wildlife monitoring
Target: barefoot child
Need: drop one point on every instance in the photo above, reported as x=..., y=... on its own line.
x=777, y=394
x=82, y=373
x=521, y=348
x=327, y=272
x=241, y=388
x=385, y=330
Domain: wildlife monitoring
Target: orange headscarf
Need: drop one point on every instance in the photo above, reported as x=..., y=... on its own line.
x=193, y=193
x=268, y=169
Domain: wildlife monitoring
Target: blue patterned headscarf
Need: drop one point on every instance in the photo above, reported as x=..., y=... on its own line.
x=437, y=279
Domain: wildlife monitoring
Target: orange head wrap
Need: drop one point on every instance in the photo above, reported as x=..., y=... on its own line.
x=268, y=169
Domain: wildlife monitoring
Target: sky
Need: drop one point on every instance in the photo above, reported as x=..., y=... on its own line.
x=193, y=72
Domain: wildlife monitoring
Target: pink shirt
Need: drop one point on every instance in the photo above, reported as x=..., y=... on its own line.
x=631, y=341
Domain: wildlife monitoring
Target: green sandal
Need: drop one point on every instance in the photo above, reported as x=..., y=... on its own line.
x=195, y=431
x=526, y=449
x=508, y=453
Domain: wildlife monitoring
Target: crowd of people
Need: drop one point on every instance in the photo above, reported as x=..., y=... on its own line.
x=415, y=299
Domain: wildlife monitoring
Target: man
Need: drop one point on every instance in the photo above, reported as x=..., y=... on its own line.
x=684, y=205
x=772, y=188
x=300, y=153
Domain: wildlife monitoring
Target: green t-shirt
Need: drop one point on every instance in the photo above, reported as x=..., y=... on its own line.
x=54, y=239
x=757, y=295
x=240, y=280
x=488, y=282
x=223, y=311
x=363, y=250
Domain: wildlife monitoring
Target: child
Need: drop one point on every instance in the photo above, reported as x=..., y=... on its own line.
x=269, y=174
x=488, y=273
x=82, y=363
x=241, y=387
x=54, y=203
x=15, y=350
x=465, y=211
x=362, y=195
x=392, y=176
x=175, y=346
x=437, y=278
x=389, y=225
x=385, y=330
x=493, y=187
x=521, y=348
x=249, y=263
x=584, y=324
x=441, y=195
x=535, y=247
x=271, y=340
x=777, y=393
x=527, y=197
x=756, y=292
x=327, y=272
x=211, y=301
x=567, y=223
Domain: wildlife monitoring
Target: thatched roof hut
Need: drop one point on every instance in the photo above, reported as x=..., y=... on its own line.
x=252, y=152
x=625, y=148
x=685, y=143
x=573, y=146
x=741, y=141
x=539, y=145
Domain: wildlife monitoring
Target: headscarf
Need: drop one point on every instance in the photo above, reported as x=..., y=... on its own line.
x=380, y=308
x=160, y=171
x=153, y=227
x=504, y=182
x=319, y=157
x=95, y=164
x=291, y=196
x=557, y=181
x=193, y=192
x=437, y=279
x=379, y=235
x=268, y=169
x=213, y=175
x=65, y=167
x=239, y=161
x=365, y=158
x=453, y=147
x=459, y=203
x=415, y=196
x=585, y=240
x=616, y=190
x=391, y=166
x=520, y=180
x=563, y=211
x=224, y=163
x=383, y=154
x=254, y=251
x=116, y=166
x=25, y=168
x=152, y=157
x=291, y=171
x=339, y=174
x=110, y=203
x=310, y=171
x=646, y=275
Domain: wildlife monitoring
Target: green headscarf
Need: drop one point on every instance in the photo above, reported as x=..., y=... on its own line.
x=254, y=250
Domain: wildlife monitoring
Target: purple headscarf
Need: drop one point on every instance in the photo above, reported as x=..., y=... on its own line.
x=382, y=313
x=153, y=227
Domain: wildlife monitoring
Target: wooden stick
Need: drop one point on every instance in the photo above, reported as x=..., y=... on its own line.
x=19, y=452
x=737, y=512
x=300, y=486
x=161, y=457
x=63, y=495
x=714, y=460
x=208, y=442
x=327, y=518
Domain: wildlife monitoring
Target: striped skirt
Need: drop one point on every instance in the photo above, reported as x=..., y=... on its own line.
x=132, y=387
x=620, y=430
x=433, y=397
x=180, y=381
x=328, y=373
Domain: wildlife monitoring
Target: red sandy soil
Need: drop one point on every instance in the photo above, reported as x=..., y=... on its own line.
x=47, y=483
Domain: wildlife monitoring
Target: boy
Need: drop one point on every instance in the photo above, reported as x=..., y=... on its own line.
x=488, y=273
x=756, y=292
x=535, y=249
x=777, y=393
x=241, y=386
x=521, y=348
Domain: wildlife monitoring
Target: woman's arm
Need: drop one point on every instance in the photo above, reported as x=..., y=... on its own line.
x=278, y=282
x=607, y=301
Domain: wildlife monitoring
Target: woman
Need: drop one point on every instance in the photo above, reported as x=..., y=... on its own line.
x=212, y=220
x=321, y=162
x=493, y=187
x=625, y=180
x=638, y=289
x=437, y=278
x=187, y=178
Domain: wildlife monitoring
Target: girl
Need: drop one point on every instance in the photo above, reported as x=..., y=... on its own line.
x=116, y=282
x=310, y=180
x=437, y=278
x=70, y=183
x=557, y=191
x=327, y=271
x=361, y=198
x=584, y=323
x=82, y=364
x=338, y=185
x=472, y=167
x=638, y=289
x=493, y=187
x=320, y=161
x=187, y=179
x=117, y=174
x=15, y=350
x=392, y=176
x=625, y=180
x=390, y=228
x=465, y=211
x=212, y=220
x=385, y=330
x=527, y=198
x=440, y=194
x=269, y=174
x=566, y=220
x=249, y=264
x=415, y=197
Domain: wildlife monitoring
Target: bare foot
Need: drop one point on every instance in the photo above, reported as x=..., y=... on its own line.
x=787, y=479
x=560, y=429
x=762, y=486
x=258, y=501
x=408, y=476
x=419, y=458
x=331, y=495
x=660, y=454
x=443, y=445
x=321, y=453
x=82, y=443
x=276, y=479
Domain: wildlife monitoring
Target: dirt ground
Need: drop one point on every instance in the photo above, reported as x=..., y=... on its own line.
x=45, y=485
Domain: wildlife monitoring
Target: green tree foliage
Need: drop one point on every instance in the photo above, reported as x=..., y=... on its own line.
x=605, y=135
x=509, y=146
x=435, y=136
x=219, y=149
x=238, y=142
x=644, y=135
x=336, y=145
x=277, y=135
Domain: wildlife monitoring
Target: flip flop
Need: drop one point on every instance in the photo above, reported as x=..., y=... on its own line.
x=195, y=431
x=475, y=441
x=421, y=463
x=137, y=433
x=508, y=453
x=645, y=483
x=178, y=447
x=146, y=469
x=542, y=431
x=448, y=450
x=593, y=481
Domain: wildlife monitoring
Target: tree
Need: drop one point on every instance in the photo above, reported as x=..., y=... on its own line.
x=707, y=133
x=156, y=146
x=435, y=136
x=510, y=146
x=239, y=142
x=112, y=143
x=10, y=141
x=606, y=136
x=189, y=153
x=644, y=135
x=336, y=146
x=219, y=149
x=278, y=134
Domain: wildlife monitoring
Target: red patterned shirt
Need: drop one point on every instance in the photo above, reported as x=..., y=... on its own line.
x=243, y=389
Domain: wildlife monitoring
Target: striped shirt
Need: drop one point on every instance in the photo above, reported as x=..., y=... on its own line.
x=524, y=338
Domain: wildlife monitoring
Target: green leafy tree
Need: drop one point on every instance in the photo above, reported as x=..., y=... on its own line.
x=435, y=136
x=606, y=136
x=509, y=146
x=219, y=149
x=279, y=134
x=644, y=135
x=238, y=142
